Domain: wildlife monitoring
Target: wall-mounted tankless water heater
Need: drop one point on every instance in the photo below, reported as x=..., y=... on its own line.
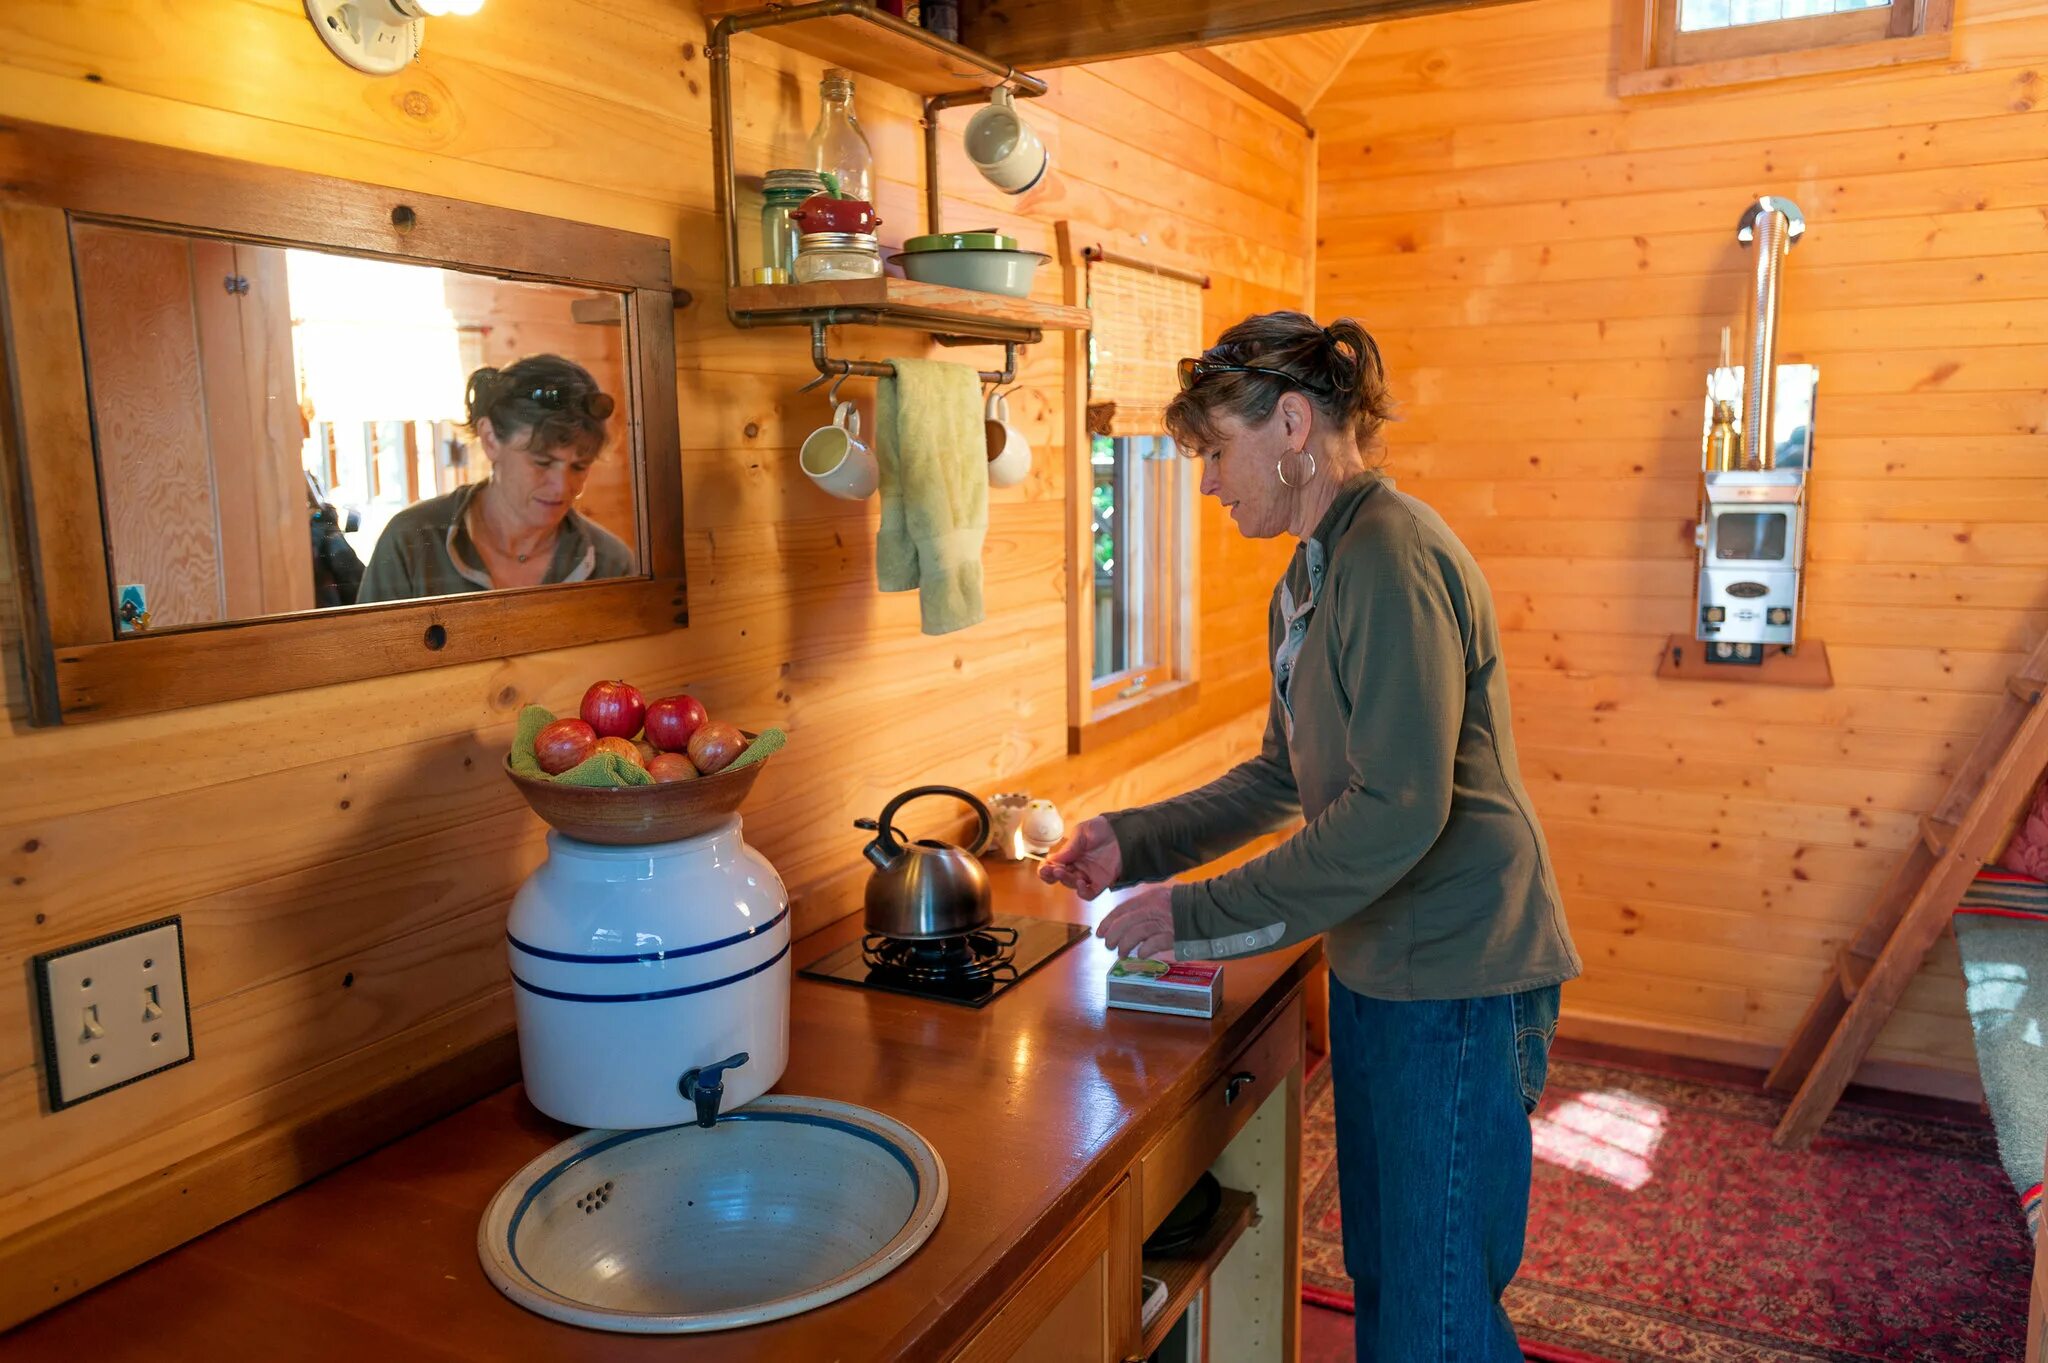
x=1758, y=453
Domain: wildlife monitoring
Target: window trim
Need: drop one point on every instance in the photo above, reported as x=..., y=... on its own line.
x=1655, y=58
x=1092, y=723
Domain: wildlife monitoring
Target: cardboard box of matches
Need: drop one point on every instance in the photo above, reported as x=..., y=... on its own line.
x=1189, y=987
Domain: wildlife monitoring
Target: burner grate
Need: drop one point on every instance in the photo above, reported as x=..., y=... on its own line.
x=984, y=956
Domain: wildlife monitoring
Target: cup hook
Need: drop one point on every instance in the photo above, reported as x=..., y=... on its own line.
x=832, y=393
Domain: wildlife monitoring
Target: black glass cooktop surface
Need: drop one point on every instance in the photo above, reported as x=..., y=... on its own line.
x=968, y=970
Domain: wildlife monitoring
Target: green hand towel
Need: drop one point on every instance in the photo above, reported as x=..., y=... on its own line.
x=933, y=458
x=607, y=769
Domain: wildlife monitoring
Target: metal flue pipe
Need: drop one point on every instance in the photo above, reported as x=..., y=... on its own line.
x=1772, y=224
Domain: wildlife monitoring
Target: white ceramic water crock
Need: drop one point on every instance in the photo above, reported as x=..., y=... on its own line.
x=639, y=971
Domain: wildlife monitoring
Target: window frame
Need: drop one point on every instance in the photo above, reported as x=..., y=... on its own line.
x=1655, y=57
x=1096, y=713
x=1173, y=512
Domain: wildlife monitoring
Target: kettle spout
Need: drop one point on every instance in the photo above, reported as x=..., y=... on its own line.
x=884, y=850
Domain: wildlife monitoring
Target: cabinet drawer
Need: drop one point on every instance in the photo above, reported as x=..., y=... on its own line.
x=1173, y=1162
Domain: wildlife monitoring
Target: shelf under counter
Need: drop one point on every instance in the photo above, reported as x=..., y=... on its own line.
x=1187, y=1272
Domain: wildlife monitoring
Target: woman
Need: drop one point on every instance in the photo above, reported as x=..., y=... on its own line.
x=542, y=425
x=1421, y=860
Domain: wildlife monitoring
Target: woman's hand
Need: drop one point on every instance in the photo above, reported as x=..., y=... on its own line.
x=1088, y=862
x=1142, y=925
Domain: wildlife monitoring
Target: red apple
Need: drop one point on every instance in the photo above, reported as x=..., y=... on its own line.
x=562, y=744
x=620, y=748
x=671, y=766
x=613, y=709
x=671, y=720
x=715, y=745
x=648, y=752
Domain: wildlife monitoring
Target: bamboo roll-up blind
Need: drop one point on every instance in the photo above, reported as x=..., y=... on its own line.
x=1144, y=323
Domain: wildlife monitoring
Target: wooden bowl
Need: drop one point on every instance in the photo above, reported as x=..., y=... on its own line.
x=633, y=816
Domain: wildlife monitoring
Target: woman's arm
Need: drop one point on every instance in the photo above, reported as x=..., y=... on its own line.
x=1401, y=654
x=1252, y=798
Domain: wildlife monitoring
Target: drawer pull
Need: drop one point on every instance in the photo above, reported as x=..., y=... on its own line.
x=1237, y=1085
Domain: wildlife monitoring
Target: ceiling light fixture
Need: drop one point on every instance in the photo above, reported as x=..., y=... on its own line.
x=378, y=36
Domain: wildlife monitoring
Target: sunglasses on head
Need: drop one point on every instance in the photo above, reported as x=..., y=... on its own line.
x=1192, y=371
x=595, y=405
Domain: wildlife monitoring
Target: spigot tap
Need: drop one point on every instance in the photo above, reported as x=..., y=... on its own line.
x=705, y=1086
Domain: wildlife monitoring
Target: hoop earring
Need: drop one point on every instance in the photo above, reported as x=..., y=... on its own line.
x=1280, y=469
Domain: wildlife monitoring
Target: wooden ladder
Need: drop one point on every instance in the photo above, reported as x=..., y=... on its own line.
x=1869, y=974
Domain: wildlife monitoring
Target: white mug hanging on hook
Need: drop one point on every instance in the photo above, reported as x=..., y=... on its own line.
x=1009, y=453
x=1002, y=146
x=836, y=460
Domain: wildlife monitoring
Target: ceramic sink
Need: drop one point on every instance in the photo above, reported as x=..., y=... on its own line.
x=784, y=1205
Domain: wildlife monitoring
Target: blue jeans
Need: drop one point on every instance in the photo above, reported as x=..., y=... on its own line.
x=1433, y=1101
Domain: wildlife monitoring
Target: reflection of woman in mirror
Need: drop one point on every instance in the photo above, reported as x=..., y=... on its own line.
x=542, y=425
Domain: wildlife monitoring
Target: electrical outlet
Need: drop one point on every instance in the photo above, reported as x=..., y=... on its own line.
x=113, y=1010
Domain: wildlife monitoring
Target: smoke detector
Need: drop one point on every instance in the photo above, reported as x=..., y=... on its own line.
x=378, y=36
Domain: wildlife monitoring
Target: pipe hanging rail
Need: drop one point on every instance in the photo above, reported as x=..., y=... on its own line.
x=829, y=367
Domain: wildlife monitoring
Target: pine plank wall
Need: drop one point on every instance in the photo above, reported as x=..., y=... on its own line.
x=1548, y=267
x=343, y=857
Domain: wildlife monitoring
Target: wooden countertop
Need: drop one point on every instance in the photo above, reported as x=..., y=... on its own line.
x=1036, y=1103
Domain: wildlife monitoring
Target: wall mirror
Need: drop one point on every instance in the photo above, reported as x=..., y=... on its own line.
x=271, y=430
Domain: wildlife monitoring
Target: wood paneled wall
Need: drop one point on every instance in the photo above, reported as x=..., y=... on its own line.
x=343, y=857
x=1548, y=268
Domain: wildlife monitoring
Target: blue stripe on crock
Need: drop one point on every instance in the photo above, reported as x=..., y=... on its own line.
x=581, y=958
x=675, y=993
x=794, y=1118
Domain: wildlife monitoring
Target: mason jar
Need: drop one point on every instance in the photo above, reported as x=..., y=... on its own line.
x=837, y=255
x=781, y=191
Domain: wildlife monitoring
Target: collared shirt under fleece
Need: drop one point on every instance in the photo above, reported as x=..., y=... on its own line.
x=1388, y=730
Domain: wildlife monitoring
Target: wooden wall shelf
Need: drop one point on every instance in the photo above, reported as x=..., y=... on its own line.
x=888, y=301
x=1683, y=660
x=868, y=42
x=1187, y=1272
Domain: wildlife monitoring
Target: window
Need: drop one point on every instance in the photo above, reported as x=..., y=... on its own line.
x=1678, y=44
x=1752, y=536
x=1132, y=575
x=1133, y=527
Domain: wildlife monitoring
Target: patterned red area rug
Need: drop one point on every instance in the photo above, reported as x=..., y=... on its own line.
x=1664, y=1225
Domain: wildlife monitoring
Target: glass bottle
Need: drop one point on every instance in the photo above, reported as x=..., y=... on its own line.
x=837, y=148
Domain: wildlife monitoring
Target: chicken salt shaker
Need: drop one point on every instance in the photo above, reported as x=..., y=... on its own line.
x=1042, y=827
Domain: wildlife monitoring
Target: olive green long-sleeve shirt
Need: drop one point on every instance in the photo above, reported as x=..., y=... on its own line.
x=1388, y=731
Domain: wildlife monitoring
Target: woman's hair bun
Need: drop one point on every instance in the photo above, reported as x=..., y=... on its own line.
x=1355, y=363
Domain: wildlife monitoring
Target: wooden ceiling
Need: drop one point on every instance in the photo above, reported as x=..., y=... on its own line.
x=1289, y=72
x=1040, y=33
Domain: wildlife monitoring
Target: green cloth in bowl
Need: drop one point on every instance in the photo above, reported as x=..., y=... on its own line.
x=601, y=770
x=605, y=770
x=769, y=742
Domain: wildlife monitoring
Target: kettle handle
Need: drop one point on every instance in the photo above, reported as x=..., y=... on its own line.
x=973, y=802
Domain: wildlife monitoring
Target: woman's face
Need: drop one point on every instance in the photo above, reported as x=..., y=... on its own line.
x=537, y=485
x=1242, y=470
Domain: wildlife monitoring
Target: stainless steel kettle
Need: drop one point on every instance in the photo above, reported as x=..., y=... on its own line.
x=927, y=888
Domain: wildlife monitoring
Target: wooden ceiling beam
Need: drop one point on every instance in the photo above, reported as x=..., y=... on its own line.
x=1039, y=33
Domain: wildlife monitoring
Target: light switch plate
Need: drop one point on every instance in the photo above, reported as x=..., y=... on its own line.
x=113, y=1010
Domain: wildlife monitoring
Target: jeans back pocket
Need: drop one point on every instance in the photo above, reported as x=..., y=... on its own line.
x=1535, y=1014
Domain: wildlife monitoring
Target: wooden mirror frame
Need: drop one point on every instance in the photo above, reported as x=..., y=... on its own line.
x=77, y=668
